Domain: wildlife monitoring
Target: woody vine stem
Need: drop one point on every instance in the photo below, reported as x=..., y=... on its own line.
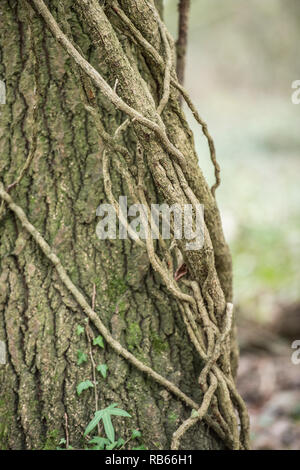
x=207, y=315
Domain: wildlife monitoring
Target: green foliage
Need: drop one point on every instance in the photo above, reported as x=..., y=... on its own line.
x=79, y=330
x=81, y=357
x=101, y=443
x=98, y=341
x=102, y=368
x=98, y=442
x=105, y=416
x=84, y=386
x=135, y=433
x=63, y=442
x=194, y=414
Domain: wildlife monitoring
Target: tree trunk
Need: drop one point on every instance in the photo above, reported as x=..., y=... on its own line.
x=45, y=122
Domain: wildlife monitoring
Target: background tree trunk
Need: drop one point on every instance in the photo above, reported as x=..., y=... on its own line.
x=60, y=193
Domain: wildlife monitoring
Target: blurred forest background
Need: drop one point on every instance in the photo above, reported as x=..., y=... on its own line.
x=241, y=62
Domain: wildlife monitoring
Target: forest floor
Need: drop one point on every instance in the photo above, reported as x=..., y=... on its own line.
x=270, y=384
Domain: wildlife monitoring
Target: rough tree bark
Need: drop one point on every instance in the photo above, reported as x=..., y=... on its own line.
x=45, y=122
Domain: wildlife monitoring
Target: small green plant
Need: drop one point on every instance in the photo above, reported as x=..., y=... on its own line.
x=98, y=341
x=101, y=417
x=84, y=386
x=136, y=433
x=102, y=443
x=64, y=443
x=81, y=357
x=79, y=330
x=102, y=368
x=105, y=416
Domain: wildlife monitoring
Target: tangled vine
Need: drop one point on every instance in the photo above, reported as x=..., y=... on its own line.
x=205, y=312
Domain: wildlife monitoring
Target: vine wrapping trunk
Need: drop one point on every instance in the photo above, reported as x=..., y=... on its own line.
x=74, y=134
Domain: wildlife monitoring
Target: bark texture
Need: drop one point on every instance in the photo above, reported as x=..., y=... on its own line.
x=60, y=193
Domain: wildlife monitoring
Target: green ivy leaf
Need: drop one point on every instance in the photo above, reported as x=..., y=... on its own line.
x=135, y=433
x=79, y=330
x=84, y=386
x=111, y=446
x=81, y=357
x=142, y=447
x=194, y=414
x=100, y=443
x=120, y=442
x=102, y=368
x=98, y=341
